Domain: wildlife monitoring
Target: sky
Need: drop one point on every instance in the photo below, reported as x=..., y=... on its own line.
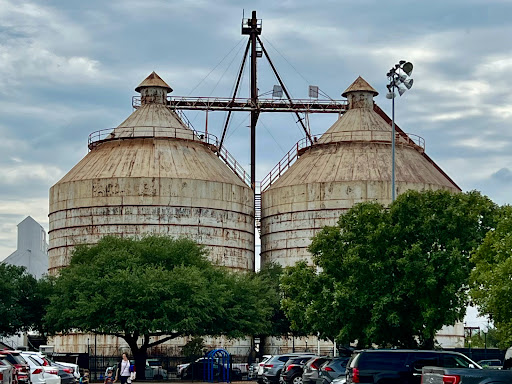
x=69, y=68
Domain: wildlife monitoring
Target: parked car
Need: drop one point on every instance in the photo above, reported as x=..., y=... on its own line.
x=273, y=366
x=75, y=368
x=332, y=369
x=155, y=371
x=198, y=370
x=5, y=362
x=293, y=369
x=260, y=366
x=400, y=365
x=465, y=376
x=7, y=372
x=40, y=374
x=490, y=364
x=66, y=375
x=311, y=368
x=22, y=368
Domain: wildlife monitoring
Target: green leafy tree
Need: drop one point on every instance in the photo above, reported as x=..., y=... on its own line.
x=22, y=300
x=483, y=339
x=280, y=326
x=491, y=279
x=152, y=290
x=391, y=277
x=194, y=349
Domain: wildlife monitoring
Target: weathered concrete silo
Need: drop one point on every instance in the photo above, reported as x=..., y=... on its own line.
x=349, y=163
x=153, y=175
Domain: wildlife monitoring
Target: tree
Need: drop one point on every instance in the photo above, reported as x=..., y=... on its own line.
x=270, y=274
x=152, y=290
x=491, y=279
x=22, y=300
x=194, y=349
x=483, y=339
x=391, y=277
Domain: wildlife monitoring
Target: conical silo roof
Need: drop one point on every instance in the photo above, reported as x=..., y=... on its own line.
x=357, y=147
x=154, y=175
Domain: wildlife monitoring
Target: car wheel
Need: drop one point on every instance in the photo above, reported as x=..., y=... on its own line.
x=297, y=380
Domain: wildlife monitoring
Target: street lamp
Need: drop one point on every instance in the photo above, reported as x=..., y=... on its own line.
x=399, y=80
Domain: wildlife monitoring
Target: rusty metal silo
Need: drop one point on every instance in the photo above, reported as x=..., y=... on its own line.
x=154, y=175
x=349, y=163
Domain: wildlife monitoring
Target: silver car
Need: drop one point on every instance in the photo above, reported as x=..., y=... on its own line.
x=273, y=367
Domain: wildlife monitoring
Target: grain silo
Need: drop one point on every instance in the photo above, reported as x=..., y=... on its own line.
x=348, y=164
x=153, y=175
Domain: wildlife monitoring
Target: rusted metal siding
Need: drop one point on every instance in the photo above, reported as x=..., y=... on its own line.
x=106, y=345
x=153, y=186
x=350, y=163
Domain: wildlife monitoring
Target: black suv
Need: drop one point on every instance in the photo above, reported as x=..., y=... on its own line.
x=293, y=368
x=400, y=366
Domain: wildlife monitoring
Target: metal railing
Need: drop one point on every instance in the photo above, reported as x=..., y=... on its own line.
x=243, y=104
x=404, y=139
x=179, y=133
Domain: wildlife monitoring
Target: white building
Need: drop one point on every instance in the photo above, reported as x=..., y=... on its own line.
x=32, y=250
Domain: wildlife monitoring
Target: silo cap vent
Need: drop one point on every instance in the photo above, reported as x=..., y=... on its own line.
x=153, y=80
x=360, y=85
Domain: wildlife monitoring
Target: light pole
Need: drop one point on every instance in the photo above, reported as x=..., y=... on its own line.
x=398, y=80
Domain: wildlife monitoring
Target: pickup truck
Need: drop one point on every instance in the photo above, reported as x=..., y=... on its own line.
x=437, y=375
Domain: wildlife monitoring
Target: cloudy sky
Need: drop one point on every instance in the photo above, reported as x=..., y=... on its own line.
x=68, y=68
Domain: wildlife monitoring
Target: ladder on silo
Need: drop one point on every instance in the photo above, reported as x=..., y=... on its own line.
x=257, y=210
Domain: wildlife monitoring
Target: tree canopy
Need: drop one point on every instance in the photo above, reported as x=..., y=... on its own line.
x=491, y=279
x=155, y=287
x=22, y=300
x=391, y=277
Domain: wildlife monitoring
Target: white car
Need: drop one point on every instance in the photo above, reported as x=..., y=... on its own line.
x=40, y=374
x=261, y=366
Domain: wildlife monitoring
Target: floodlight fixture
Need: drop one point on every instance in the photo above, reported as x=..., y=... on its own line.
x=402, y=62
x=408, y=83
x=407, y=68
x=390, y=95
x=402, y=78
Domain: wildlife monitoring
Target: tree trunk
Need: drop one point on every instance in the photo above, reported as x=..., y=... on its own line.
x=140, y=363
x=139, y=355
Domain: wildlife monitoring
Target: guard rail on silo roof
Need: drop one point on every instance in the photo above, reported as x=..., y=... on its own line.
x=303, y=145
x=211, y=141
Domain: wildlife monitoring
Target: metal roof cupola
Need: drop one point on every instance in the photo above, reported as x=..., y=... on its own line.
x=153, y=90
x=360, y=94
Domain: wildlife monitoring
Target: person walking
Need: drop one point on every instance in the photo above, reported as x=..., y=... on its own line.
x=123, y=370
